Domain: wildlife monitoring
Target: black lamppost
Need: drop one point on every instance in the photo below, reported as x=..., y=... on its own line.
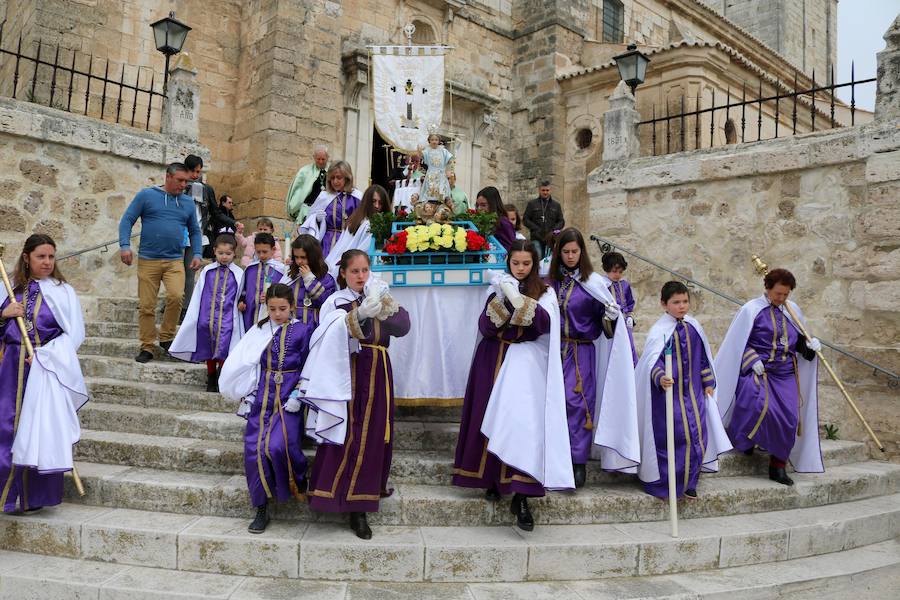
x=632, y=67
x=169, y=35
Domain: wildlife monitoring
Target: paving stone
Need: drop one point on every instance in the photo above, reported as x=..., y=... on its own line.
x=580, y=552
x=333, y=552
x=474, y=554
x=52, y=578
x=144, y=583
x=221, y=545
x=54, y=531
x=134, y=537
x=523, y=591
x=408, y=591
x=280, y=589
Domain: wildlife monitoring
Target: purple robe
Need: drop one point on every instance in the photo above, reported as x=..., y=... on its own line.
x=336, y=215
x=474, y=466
x=581, y=322
x=766, y=408
x=25, y=486
x=215, y=322
x=273, y=461
x=505, y=232
x=257, y=278
x=621, y=291
x=309, y=299
x=352, y=477
x=692, y=374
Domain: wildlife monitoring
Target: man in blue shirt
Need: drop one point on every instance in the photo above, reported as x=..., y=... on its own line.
x=164, y=212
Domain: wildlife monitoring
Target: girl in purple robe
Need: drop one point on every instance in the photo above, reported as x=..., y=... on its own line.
x=330, y=212
x=212, y=324
x=39, y=395
x=350, y=471
x=308, y=278
x=765, y=388
x=698, y=433
x=614, y=266
x=262, y=273
x=263, y=373
x=501, y=325
x=488, y=200
x=583, y=319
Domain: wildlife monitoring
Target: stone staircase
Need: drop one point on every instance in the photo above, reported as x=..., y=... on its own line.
x=166, y=512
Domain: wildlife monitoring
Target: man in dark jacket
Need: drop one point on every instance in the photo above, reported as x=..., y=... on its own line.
x=543, y=215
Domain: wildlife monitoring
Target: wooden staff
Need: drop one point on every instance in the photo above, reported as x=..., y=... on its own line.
x=763, y=269
x=670, y=442
x=29, y=349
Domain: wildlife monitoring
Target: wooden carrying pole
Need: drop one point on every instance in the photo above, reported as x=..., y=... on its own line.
x=29, y=349
x=763, y=269
x=670, y=442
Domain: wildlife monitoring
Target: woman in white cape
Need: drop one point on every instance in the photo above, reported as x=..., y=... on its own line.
x=513, y=436
x=329, y=213
x=39, y=398
x=357, y=235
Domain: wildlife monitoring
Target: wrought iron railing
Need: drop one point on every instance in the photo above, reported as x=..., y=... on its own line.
x=679, y=131
x=893, y=380
x=61, y=78
x=104, y=247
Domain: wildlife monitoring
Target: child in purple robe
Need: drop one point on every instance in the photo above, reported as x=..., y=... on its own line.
x=263, y=372
x=488, y=200
x=520, y=319
x=698, y=432
x=212, y=324
x=308, y=278
x=261, y=274
x=39, y=395
x=769, y=396
x=614, y=266
x=330, y=212
x=353, y=459
x=583, y=319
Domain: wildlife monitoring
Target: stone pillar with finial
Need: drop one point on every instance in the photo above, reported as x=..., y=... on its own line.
x=887, y=94
x=181, y=110
x=620, y=126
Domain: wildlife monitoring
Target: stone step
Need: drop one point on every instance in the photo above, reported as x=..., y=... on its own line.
x=157, y=371
x=113, y=347
x=866, y=573
x=226, y=426
x=112, y=329
x=193, y=397
x=330, y=551
x=121, y=486
x=411, y=464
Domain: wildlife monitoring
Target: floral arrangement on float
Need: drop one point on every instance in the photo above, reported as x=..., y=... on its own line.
x=436, y=237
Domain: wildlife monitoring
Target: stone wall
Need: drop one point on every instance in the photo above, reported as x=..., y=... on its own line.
x=72, y=177
x=823, y=205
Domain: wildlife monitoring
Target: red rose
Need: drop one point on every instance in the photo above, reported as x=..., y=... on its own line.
x=396, y=244
x=474, y=242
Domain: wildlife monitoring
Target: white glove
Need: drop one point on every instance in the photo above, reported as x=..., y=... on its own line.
x=370, y=307
x=629, y=322
x=511, y=291
x=293, y=403
x=245, y=406
x=375, y=287
x=612, y=312
x=309, y=278
x=758, y=368
x=814, y=344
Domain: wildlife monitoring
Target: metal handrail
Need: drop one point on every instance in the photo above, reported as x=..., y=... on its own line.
x=606, y=245
x=104, y=246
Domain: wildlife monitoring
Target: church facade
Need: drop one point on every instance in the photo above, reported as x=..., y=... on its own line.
x=527, y=81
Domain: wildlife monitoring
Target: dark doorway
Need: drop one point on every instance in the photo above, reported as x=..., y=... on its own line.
x=384, y=161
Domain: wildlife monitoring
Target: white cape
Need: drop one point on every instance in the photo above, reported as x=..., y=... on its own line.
x=403, y=192
x=55, y=389
x=714, y=437
x=616, y=433
x=525, y=420
x=325, y=383
x=806, y=456
x=185, y=342
x=240, y=374
x=361, y=240
x=312, y=225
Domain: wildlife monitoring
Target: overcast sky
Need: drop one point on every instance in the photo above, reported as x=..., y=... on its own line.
x=860, y=27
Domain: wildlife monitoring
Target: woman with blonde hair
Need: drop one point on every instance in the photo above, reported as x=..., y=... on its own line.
x=330, y=212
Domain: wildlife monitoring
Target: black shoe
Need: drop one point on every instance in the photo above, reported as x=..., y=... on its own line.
x=166, y=345
x=212, y=382
x=691, y=493
x=360, y=525
x=580, y=472
x=778, y=474
x=261, y=521
x=492, y=494
x=749, y=451
x=144, y=356
x=519, y=507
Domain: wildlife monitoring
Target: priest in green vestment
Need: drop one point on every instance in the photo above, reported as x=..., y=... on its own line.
x=307, y=185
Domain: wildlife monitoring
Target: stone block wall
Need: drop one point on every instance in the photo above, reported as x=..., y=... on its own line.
x=72, y=177
x=823, y=205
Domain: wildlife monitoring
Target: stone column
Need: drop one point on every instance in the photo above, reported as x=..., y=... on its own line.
x=181, y=111
x=620, y=129
x=887, y=94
